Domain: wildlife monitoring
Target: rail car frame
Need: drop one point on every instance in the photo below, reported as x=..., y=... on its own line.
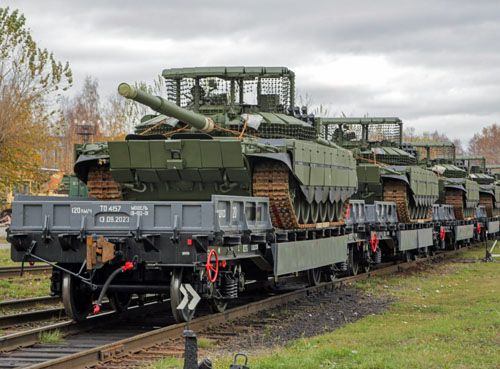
x=120, y=248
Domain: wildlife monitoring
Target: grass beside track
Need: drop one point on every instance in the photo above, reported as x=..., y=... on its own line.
x=446, y=316
x=24, y=287
x=5, y=258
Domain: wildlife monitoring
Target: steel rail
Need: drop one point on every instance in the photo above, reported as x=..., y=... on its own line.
x=30, y=337
x=15, y=271
x=52, y=313
x=29, y=302
x=31, y=316
x=96, y=355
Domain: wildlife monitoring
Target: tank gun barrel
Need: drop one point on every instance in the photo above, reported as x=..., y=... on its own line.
x=167, y=108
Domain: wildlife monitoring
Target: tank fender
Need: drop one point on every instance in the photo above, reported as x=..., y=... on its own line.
x=488, y=191
x=83, y=163
x=278, y=156
x=399, y=177
x=455, y=187
x=318, y=193
x=308, y=192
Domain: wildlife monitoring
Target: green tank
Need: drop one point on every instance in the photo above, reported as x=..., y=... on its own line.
x=455, y=188
x=225, y=130
x=70, y=185
x=385, y=171
x=488, y=185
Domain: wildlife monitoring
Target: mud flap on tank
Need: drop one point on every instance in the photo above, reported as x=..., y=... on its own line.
x=99, y=251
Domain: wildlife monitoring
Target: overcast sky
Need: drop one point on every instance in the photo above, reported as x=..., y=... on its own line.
x=435, y=64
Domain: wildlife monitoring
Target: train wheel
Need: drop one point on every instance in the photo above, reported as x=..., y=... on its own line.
x=367, y=260
x=120, y=301
x=353, y=262
x=176, y=296
x=366, y=267
x=77, y=298
x=217, y=305
x=424, y=252
x=407, y=256
x=314, y=276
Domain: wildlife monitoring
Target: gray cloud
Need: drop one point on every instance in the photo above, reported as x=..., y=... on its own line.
x=433, y=63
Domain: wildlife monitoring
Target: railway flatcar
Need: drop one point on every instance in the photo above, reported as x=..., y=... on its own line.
x=227, y=183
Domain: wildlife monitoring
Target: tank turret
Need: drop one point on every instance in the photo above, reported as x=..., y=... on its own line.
x=167, y=108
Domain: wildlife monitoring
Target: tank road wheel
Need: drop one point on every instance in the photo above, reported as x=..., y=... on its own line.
x=418, y=212
x=295, y=196
x=331, y=211
x=176, y=297
x=353, y=262
x=305, y=211
x=120, y=301
x=314, y=212
x=323, y=212
x=77, y=298
x=339, y=211
x=412, y=213
x=314, y=276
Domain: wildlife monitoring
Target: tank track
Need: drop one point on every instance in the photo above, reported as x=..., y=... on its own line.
x=396, y=191
x=101, y=185
x=272, y=180
x=455, y=198
x=487, y=201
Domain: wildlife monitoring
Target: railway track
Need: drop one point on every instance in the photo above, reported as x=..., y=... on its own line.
x=8, y=272
x=29, y=302
x=109, y=337
x=19, y=319
x=11, y=320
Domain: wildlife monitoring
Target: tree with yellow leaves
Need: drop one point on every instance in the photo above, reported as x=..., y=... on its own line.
x=487, y=143
x=31, y=80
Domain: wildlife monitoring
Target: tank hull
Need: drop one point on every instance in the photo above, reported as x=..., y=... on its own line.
x=320, y=178
x=413, y=188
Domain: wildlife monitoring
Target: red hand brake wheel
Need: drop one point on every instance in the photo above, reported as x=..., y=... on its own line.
x=212, y=268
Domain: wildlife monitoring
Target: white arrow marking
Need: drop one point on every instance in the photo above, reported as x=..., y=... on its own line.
x=196, y=298
x=185, y=298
